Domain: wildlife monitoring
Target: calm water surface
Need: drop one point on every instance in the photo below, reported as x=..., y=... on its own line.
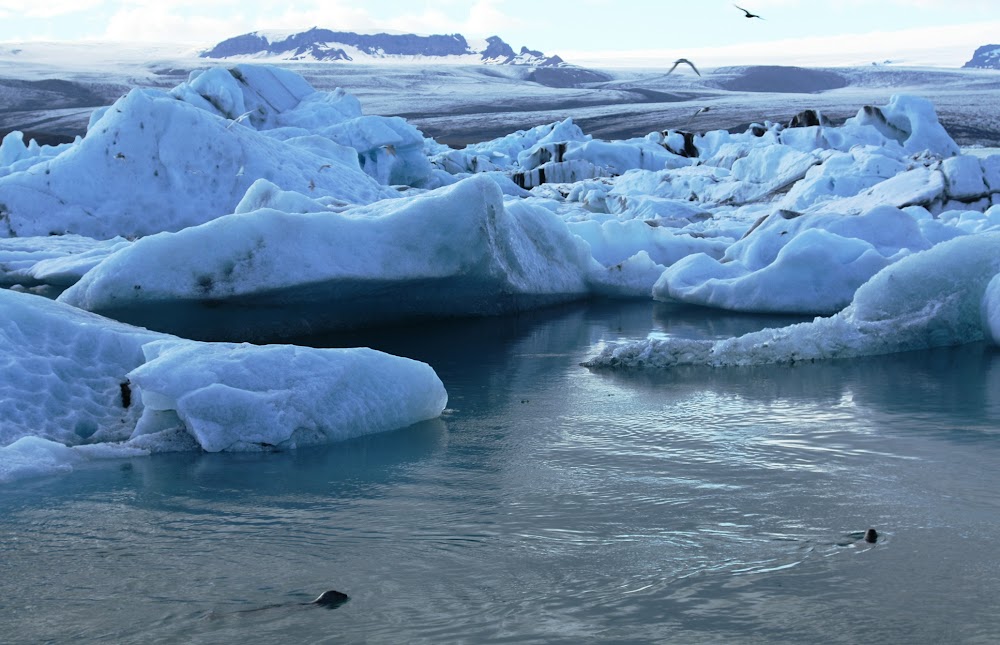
x=552, y=505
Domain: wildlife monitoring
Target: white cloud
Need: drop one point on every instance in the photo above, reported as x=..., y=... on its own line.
x=481, y=18
x=486, y=18
x=946, y=46
x=162, y=24
x=47, y=9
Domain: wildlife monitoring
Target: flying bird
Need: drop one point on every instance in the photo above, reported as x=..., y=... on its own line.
x=700, y=111
x=238, y=119
x=748, y=14
x=684, y=60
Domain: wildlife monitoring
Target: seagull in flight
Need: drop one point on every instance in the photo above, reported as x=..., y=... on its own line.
x=700, y=111
x=684, y=60
x=748, y=14
x=238, y=119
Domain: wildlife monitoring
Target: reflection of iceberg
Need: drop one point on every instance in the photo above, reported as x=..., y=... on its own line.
x=928, y=299
x=76, y=379
x=354, y=464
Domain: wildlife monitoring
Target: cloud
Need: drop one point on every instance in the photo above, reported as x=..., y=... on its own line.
x=486, y=18
x=949, y=45
x=482, y=18
x=46, y=10
x=149, y=23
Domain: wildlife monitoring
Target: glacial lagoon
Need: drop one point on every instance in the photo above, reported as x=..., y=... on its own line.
x=551, y=504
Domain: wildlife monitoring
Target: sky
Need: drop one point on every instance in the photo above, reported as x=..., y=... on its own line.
x=586, y=32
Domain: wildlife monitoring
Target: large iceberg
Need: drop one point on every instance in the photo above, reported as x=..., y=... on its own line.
x=455, y=251
x=162, y=161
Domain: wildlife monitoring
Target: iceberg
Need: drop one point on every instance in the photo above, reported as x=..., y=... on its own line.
x=794, y=263
x=456, y=251
x=97, y=387
x=942, y=296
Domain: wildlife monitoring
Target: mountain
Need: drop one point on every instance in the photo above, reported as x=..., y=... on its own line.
x=986, y=57
x=325, y=45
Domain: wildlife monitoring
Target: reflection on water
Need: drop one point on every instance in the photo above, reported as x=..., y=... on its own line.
x=551, y=504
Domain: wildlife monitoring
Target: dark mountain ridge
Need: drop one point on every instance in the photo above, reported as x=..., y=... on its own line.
x=985, y=57
x=327, y=45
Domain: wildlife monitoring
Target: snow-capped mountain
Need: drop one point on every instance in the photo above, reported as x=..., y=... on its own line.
x=326, y=45
x=986, y=57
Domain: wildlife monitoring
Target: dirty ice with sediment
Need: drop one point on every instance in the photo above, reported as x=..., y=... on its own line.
x=243, y=205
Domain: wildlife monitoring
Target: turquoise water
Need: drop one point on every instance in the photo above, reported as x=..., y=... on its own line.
x=552, y=505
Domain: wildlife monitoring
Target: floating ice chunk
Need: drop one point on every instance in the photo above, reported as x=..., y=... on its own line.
x=991, y=310
x=991, y=172
x=792, y=263
x=689, y=183
x=264, y=194
x=62, y=372
x=921, y=186
x=69, y=378
x=12, y=148
x=909, y=120
x=52, y=260
x=633, y=277
x=15, y=156
x=31, y=457
x=934, y=298
x=453, y=251
x=963, y=176
x=388, y=148
x=558, y=172
x=843, y=174
x=617, y=157
x=816, y=272
x=504, y=152
x=971, y=221
x=256, y=95
x=243, y=397
x=189, y=167
x=220, y=89
x=35, y=457
x=613, y=241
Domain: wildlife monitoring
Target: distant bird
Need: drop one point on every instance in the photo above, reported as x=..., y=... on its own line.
x=683, y=60
x=239, y=118
x=700, y=110
x=748, y=14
